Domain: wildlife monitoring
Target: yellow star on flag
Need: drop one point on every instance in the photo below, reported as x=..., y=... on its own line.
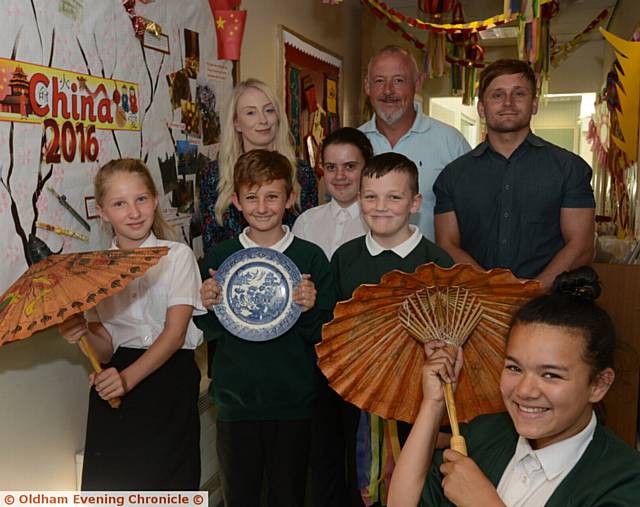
x=220, y=23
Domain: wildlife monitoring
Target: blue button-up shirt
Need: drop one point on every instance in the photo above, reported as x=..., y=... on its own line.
x=508, y=209
x=431, y=145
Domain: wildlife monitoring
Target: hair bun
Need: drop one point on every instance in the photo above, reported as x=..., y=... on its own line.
x=580, y=283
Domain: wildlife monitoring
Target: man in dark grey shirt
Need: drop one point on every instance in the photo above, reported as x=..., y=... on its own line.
x=516, y=201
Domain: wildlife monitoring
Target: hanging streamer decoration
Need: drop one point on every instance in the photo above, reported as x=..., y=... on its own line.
x=474, y=55
x=140, y=23
x=466, y=56
x=534, y=40
x=563, y=51
x=395, y=26
x=384, y=11
x=396, y=19
x=455, y=57
x=435, y=51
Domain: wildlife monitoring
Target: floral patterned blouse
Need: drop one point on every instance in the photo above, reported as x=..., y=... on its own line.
x=233, y=221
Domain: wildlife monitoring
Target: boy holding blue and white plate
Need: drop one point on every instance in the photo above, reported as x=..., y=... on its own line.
x=265, y=390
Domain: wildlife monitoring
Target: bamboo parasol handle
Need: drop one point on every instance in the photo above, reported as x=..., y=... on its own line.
x=88, y=350
x=457, y=441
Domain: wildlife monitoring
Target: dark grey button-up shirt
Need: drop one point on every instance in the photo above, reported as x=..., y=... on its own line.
x=508, y=210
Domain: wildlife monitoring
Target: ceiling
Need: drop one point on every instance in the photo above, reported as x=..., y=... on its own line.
x=573, y=17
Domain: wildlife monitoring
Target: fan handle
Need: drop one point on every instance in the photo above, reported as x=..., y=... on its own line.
x=457, y=441
x=459, y=444
x=88, y=350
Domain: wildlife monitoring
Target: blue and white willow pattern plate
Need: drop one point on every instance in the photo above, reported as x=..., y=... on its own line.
x=257, y=294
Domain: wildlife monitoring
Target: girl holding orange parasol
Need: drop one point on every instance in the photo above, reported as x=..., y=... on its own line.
x=549, y=449
x=146, y=338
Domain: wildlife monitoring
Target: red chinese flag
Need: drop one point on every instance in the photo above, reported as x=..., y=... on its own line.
x=229, y=31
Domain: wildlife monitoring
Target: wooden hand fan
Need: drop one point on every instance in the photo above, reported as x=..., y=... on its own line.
x=372, y=352
x=448, y=314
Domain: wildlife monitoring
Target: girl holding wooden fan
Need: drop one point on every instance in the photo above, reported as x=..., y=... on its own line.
x=549, y=449
x=145, y=338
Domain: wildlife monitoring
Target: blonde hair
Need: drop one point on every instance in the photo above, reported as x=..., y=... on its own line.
x=231, y=146
x=160, y=228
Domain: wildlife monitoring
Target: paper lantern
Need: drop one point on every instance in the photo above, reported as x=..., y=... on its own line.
x=435, y=7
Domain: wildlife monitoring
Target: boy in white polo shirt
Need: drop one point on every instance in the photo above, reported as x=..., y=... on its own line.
x=389, y=195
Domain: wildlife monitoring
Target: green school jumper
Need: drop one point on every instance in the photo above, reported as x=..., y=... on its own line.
x=607, y=474
x=276, y=379
x=353, y=265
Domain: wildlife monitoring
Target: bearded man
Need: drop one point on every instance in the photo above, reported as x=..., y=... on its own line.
x=398, y=125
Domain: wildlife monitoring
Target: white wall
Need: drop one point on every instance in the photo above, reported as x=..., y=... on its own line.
x=43, y=402
x=559, y=113
x=452, y=111
x=44, y=392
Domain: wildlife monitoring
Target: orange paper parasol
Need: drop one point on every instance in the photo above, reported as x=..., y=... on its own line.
x=59, y=286
x=371, y=359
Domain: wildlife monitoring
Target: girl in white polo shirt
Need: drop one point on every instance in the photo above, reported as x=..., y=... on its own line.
x=548, y=449
x=145, y=337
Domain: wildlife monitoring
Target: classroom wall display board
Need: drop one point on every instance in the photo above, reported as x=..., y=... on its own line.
x=86, y=81
x=309, y=81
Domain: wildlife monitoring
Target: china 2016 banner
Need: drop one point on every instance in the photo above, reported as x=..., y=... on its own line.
x=69, y=105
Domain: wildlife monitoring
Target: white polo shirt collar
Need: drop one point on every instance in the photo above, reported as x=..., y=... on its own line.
x=402, y=250
x=280, y=246
x=151, y=241
x=353, y=211
x=560, y=457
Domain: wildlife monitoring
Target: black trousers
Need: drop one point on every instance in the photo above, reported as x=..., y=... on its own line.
x=247, y=449
x=328, y=451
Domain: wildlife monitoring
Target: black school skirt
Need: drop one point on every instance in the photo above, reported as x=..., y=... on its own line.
x=152, y=442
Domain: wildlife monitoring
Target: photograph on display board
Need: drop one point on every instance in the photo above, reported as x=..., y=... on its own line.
x=179, y=88
x=190, y=117
x=192, y=53
x=206, y=102
x=187, y=154
x=183, y=196
x=168, y=173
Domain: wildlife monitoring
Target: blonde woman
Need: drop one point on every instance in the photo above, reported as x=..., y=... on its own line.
x=254, y=119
